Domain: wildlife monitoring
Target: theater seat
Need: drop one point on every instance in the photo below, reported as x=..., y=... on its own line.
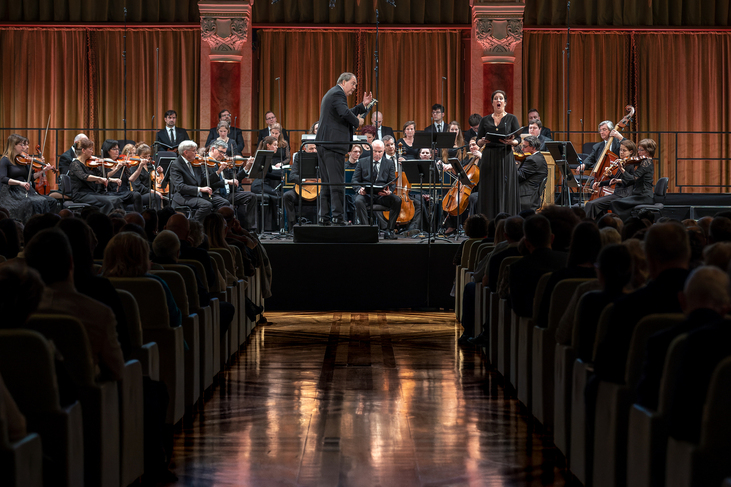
x=525, y=344
x=147, y=354
x=27, y=358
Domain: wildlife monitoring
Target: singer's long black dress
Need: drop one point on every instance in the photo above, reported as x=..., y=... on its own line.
x=498, y=188
x=20, y=203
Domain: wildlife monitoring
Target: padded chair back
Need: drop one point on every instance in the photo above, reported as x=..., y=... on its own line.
x=69, y=337
x=150, y=297
x=199, y=269
x=587, y=147
x=716, y=426
x=228, y=259
x=64, y=183
x=177, y=286
x=466, y=251
x=647, y=326
x=670, y=373
x=601, y=328
x=3, y=259
x=239, y=258
x=562, y=294
x=538, y=296
x=661, y=189
x=191, y=284
x=218, y=266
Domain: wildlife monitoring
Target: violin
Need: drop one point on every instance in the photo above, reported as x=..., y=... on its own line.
x=38, y=162
x=201, y=161
x=402, y=191
x=94, y=162
x=133, y=161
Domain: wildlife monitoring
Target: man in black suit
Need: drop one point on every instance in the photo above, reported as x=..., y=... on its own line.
x=535, y=129
x=233, y=133
x=64, y=161
x=609, y=136
x=534, y=116
x=171, y=135
x=271, y=119
x=531, y=173
x=190, y=186
x=337, y=123
x=381, y=130
x=474, y=122
x=525, y=273
x=382, y=171
x=437, y=115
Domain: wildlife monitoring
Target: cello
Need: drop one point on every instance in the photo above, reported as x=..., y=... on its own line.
x=605, y=160
x=457, y=198
x=402, y=191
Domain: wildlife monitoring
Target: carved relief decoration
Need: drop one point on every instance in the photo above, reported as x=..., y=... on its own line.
x=225, y=34
x=499, y=36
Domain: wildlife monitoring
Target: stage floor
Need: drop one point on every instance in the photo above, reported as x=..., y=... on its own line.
x=390, y=274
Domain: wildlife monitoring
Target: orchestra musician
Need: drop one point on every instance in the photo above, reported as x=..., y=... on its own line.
x=17, y=193
x=64, y=160
x=595, y=209
x=281, y=154
x=410, y=151
x=370, y=132
x=531, y=173
x=244, y=201
x=337, y=123
x=534, y=116
x=270, y=119
x=641, y=181
x=143, y=183
x=171, y=136
x=234, y=132
x=498, y=173
x=415, y=195
x=224, y=129
x=473, y=153
x=535, y=128
x=84, y=180
x=474, y=122
x=110, y=150
x=381, y=130
x=380, y=172
x=191, y=187
x=609, y=136
x=265, y=187
x=291, y=198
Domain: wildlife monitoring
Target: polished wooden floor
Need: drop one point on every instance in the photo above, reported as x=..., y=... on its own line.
x=372, y=399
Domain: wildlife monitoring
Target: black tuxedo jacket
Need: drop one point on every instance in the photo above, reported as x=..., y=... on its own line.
x=234, y=134
x=337, y=121
x=263, y=133
x=164, y=137
x=596, y=151
x=362, y=173
x=525, y=274
x=65, y=161
x=386, y=131
x=433, y=128
x=545, y=132
x=468, y=134
x=186, y=183
x=530, y=175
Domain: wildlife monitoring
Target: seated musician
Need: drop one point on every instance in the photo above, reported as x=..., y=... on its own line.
x=641, y=181
x=534, y=129
x=243, y=201
x=291, y=198
x=382, y=171
x=474, y=122
x=85, y=180
x=596, y=208
x=534, y=116
x=392, y=153
x=143, y=184
x=531, y=173
x=190, y=185
x=64, y=161
x=350, y=162
x=234, y=132
x=370, y=132
x=265, y=188
x=110, y=150
x=457, y=151
x=609, y=136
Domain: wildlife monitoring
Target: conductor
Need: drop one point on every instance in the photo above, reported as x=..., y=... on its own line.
x=337, y=123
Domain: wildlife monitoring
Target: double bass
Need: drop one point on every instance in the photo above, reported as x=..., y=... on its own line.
x=599, y=173
x=457, y=198
x=402, y=191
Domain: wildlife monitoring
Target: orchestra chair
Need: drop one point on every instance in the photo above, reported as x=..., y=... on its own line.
x=237, y=295
x=205, y=327
x=543, y=352
x=26, y=358
x=21, y=462
x=152, y=303
x=611, y=417
x=64, y=184
x=458, y=284
x=146, y=353
x=191, y=334
x=99, y=399
x=525, y=340
x=647, y=441
x=661, y=189
x=581, y=448
x=243, y=292
x=706, y=463
x=503, y=325
x=223, y=295
x=210, y=312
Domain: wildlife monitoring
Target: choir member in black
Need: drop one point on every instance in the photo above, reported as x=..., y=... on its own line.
x=17, y=193
x=291, y=198
x=121, y=171
x=498, y=171
x=595, y=209
x=411, y=152
x=474, y=122
x=271, y=119
x=641, y=180
x=85, y=181
x=232, y=148
x=144, y=182
x=171, y=136
x=281, y=155
x=234, y=132
x=190, y=185
x=535, y=128
x=243, y=201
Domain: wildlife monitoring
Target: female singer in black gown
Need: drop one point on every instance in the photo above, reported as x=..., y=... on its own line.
x=498, y=188
x=17, y=194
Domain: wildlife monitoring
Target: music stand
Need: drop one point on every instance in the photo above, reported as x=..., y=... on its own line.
x=563, y=153
x=259, y=169
x=465, y=180
x=165, y=160
x=309, y=169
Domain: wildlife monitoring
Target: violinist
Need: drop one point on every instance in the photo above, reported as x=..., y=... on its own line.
x=234, y=132
x=85, y=180
x=244, y=201
x=64, y=161
x=291, y=199
x=532, y=171
x=641, y=181
x=121, y=184
x=17, y=194
x=272, y=179
x=609, y=136
x=143, y=182
x=193, y=186
x=595, y=209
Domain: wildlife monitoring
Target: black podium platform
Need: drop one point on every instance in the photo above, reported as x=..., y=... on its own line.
x=335, y=234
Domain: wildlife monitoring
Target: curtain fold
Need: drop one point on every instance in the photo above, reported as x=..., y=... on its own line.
x=99, y=11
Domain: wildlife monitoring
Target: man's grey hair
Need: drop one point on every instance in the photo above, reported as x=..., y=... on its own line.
x=166, y=244
x=378, y=142
x=80, y=137
x=388, y=138
x=345, y=77
x=220, y=145
x=187, y=144
x=608, y=123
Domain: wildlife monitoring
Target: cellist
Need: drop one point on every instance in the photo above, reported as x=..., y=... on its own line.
x=416, y=199
x=609, y=136
x=595, y=209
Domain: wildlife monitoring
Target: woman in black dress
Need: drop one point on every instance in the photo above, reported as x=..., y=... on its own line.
x=17, y=194
x=84, y=181
x=143, y=183
x=411, y=152
x=110, y=150
x=498, y=188
x=641, y=181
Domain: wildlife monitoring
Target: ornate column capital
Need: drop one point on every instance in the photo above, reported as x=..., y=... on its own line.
x=225, y=26
x=498, y=27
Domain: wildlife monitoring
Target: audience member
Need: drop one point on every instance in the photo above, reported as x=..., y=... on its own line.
x=21, y=290
x=718, y=254
x=563, y=220
x=720, y=230
x=609, y=235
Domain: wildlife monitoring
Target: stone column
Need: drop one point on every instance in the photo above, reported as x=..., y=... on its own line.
x=226, y=64
x=497, y=35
